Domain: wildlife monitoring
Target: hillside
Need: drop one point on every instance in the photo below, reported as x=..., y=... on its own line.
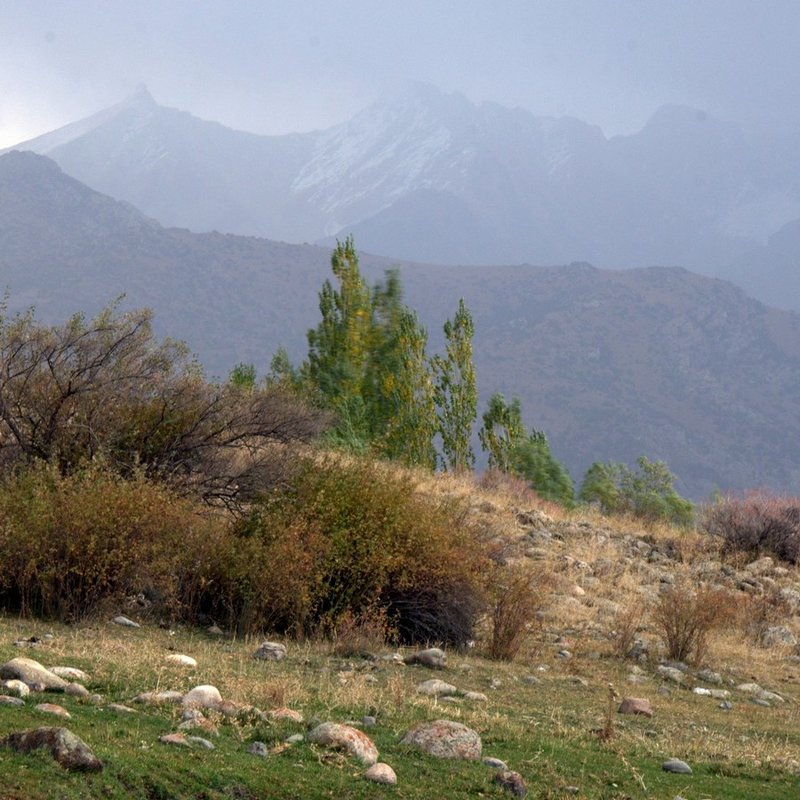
x=475, y=184
x=551, y=716
x=611, y=364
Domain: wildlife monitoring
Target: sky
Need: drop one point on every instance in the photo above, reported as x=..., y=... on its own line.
x=276, y=66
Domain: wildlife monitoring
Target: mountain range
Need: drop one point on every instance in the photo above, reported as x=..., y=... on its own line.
x=612, y=364
x=432, y=177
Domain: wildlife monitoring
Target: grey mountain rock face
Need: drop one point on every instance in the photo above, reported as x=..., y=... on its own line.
x=429, y=176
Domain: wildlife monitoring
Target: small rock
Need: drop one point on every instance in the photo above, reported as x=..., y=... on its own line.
x=76, y=690
x=671, y=673
x=445, y=739
x=433, y=658
x=435, y=688
x=125, y=622
x=749, y=688
x=295, y=738
x=565, y=654
x=720, y=694
x=476, y=697
x=5, y=700
x=215, y=630
x=344, y=737
x=381, y=773
x=709, y=676
x=17, y=688
x=494, y=763
x=71, y=752
x=778, y=636
x=726, y=705
x=199, y=741
x=177, y=739
x=677, y=766
x=759, y=701
x=635, y=705
x=771, y=697
x=288, y=714
x=258, y=749
x=181, y=660
x=71, y=674
x=512, y=782
x=159, y=698
x=270, y=651
x=369, y=721
x=205, y=696
x=699, y=690
x=52, y=708
x=118, y=708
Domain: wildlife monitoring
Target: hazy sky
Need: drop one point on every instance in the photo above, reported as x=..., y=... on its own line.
x=281, y=65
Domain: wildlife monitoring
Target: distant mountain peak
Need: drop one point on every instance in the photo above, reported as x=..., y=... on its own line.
x=140, y=97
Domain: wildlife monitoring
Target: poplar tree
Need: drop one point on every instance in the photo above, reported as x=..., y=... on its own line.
x=502, y=429
x=455, y=392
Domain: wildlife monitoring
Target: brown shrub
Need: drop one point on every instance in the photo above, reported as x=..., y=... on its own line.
x=756, y=613
x=758, y=522
x=685, y=618
x=627, y=622
x=518, y=595
x=362, y=634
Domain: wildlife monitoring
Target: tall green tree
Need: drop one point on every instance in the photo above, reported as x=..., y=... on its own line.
x=502, y=429
x=455, y=391
x=531, y=459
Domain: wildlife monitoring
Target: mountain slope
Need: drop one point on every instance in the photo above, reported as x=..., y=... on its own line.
x=612, y=364
x=430, y=176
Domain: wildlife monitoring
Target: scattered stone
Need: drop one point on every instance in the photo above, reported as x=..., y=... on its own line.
x=435, y=688
x=125, y=622
x=71, y=752
x=32, y=673
x=270, y=651
x=118, y=708
x=381, y=773
x=720, y=694
x=369, y=721
x=159, y=698
x=759, y=701
x=52, y=708
x=295, y=738
x=749, y=688
x=635, y=705
x=476, y=697
x=215, y=630
x=494, y=763
x=778, y=635
x=181, y=660
x=96, y=699
x=699, y=690
x=199, y=722
x=512, y=782
x=433, y=658
x=17, y=688
x=71, y=674
x=709, y=676
x=771, y=697
x=677, y=766
x=726, y=705
x=76, y=690
x=205, y=696
x=345, y=737
x=445, y=739
x=177, y=739
x=671, y=673
x=5, y=700
x=565, y=654
x=258, y=749
x=288, y=714
x=199, y=741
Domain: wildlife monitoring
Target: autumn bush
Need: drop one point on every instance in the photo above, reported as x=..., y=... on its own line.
x=757, y=522
x=685, y=617
x=345, y=536
x=74, y=544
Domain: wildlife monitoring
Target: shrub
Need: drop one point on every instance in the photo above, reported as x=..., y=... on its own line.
x=758, y=522
x=647, y=492
x=518, y=595
x=531, y=459
x=361, y=635
x=345, y=536
x=72, y=544
x=685, y=618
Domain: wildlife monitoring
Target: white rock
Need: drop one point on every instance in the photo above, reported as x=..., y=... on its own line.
x=270, y=651
x=205, y=696
x=181, y=660
x=15, y=687
x=436, y=688
x=381, y=773
x=125, y=622
x=71, y=674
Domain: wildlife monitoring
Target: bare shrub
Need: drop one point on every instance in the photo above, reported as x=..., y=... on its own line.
x=756, y=613
x=362, y=634
x=70, y=393
x=627, y=622
x=685, y=618
x=758, y=522
x=518, y=595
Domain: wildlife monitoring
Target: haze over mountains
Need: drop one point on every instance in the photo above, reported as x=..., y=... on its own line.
x=611, y=364
x=432, y=177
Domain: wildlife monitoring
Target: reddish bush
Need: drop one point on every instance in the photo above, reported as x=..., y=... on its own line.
x=758, y=522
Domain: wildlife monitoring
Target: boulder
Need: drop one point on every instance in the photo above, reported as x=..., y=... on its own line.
x=52, y=708
x=343, y=737
x=677, y=766
x=435, y=688
x=32, y=673
x=381, y=773
x=433, y=658
x=635, y=705
x=71, y=674
x=71, y=752
x=270, y=651
x=202, y=697
x=445, y=739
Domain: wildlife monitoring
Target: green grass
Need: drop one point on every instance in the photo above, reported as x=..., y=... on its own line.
x=544, y=731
